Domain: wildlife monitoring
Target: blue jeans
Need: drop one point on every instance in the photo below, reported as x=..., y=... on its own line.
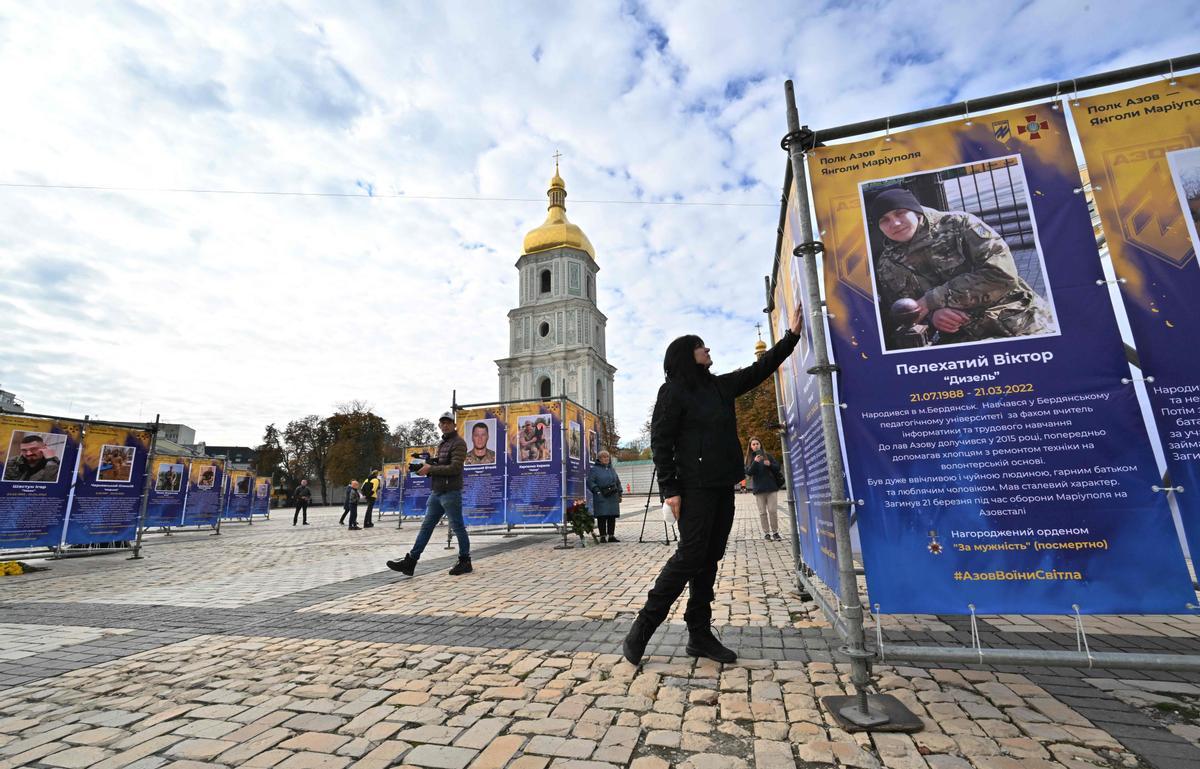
x=448, y=503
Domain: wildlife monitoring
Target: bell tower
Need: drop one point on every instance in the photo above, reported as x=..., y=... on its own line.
x=556, y=331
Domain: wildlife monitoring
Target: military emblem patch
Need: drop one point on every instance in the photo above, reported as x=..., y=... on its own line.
x=1002, y=130
x=1153, y=223
x=1033, y=127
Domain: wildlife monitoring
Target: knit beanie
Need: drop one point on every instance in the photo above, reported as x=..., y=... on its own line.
x=891, y=199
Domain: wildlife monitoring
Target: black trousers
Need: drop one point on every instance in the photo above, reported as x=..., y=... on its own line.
x=352, y=511
x=705, y=520
x=301, y=507
x=370, y=507
x=606, y=525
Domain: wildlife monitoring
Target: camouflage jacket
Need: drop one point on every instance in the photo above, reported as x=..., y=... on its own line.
x=18, y=470
x=956, y=260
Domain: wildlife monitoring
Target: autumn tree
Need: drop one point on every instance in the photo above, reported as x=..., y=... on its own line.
x=357, y=447
x=757, y=415
x=308, y=442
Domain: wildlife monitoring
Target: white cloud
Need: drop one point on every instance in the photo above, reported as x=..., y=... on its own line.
x=228, y=312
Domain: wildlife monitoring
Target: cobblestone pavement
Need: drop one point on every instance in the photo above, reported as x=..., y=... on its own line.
x=281, y=646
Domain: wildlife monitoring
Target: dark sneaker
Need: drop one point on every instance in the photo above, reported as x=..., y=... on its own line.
x=611, y=538
x=776, y=537
x=354, y=528
x=634, y=645
x=702, y=643
x=406, y=565
x=767, y=537
x=368, y=525
x=462, y=567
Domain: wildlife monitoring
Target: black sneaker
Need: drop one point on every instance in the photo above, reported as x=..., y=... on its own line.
x=611, y=538
x=406, y=565
x=776, y=537
x=702, y=643
x=368, y=525
x=354, y=528
x=462, y=567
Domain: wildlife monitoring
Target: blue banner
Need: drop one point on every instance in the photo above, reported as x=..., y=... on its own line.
x=415, y=489
x=109, y=485
x=484, y=470
x=535, y=469
x=389, y=492
x=261, y=504
x=206, y=483
x=39, y=468
x=576, y=462
x=991, y=426
x=1146, y=181
x=800, y=393
x=168, y=489
x=241, y=494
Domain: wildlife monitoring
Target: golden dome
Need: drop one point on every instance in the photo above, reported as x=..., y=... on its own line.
x=556, y=231
x=760, y=347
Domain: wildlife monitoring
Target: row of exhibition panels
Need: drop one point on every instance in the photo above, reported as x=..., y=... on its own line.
x=70, y=482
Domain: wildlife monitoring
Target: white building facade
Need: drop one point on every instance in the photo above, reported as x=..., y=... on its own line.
x=557, y=332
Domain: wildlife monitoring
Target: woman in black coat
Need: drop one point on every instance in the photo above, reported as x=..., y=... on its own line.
x=698, y=459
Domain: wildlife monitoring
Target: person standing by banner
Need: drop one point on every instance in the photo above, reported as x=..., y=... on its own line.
x=605, y=486
x=698, y=459
x=350, y=506
x=445, y=498
x=765, y=479
x=370, y=490
x=303, y=496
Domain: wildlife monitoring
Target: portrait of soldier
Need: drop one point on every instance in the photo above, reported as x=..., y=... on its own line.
x=479, y=453
x=207, y=477
x=527, y=443
x=946, y=277
x=116, y=464
x=168, y=478
x=34, y=461
x=573, y=441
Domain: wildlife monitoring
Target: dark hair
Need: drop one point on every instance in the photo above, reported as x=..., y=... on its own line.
x=33, y=439
x=477, y=425
x=679, y=362
x=749, y=453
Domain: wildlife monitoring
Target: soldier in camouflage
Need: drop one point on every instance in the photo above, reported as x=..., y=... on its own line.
x=36, y=463
x=956, y=268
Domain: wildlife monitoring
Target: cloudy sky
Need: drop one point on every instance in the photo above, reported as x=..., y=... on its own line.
x=428, y=129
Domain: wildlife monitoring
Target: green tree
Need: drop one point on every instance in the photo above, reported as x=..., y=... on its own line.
x=418, y=432
x=271, y=459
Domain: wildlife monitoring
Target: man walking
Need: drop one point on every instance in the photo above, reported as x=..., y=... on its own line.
x=445, y=498
x=370, y=488
x=303, y=496
x=350, y=507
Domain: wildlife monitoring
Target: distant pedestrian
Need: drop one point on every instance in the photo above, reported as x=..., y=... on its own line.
x=370, y=489
x=302, y=497
x=350, y=506
x=605, y=486
x=698, y=459
x=765, y=479
x=445, y=498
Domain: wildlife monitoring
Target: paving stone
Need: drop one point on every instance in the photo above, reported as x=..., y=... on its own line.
x=482, y=733
x=77, y=757
x=440, y=757
x=199, y=749
x=498, y=752
x=316, y=742
x=313, y=761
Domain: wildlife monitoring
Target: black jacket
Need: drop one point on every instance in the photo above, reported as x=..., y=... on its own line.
x=693, y=433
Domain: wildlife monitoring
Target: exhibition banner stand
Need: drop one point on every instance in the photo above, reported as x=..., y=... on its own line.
x=998, y=454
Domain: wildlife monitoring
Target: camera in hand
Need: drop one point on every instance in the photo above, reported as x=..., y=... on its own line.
x=419, y=460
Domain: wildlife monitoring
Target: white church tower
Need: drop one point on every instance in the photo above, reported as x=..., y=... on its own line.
x=556, y=332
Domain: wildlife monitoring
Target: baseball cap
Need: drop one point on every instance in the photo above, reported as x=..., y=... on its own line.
x=446, y=417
